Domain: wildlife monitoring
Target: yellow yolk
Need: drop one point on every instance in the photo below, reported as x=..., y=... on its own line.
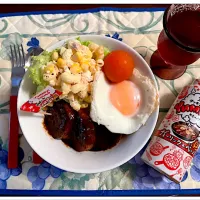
x=125, y=96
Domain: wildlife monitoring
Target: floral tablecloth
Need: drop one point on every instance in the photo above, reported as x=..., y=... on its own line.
x=137, y=28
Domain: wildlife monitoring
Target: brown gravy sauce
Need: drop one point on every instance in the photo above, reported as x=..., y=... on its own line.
x=104, y=139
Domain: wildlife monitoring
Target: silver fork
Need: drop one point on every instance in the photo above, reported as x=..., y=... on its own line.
x=18, y=71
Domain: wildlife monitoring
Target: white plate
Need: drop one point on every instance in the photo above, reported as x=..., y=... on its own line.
x=56, y=153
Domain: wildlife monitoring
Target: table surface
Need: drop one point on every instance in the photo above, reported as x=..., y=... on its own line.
x=34, y=7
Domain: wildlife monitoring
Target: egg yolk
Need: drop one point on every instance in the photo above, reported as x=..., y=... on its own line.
x=125, y=97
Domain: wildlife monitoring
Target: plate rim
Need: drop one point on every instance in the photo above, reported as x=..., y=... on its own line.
x=117, y=164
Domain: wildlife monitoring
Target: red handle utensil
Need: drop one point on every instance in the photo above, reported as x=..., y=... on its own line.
x=14, y=133
x=36, y=158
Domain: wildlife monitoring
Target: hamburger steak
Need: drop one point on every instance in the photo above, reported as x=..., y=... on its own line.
x=70, y=126
x=59, y=123
x=77, y=130
x=83, y=133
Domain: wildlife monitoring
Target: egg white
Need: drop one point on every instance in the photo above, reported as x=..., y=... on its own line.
x=103, y=112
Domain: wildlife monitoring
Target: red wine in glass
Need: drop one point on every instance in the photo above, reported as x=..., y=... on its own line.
x=179, y=41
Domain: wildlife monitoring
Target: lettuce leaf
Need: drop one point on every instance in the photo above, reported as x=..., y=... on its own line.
x=106, y=51
x=86, y=43
x=35, y=72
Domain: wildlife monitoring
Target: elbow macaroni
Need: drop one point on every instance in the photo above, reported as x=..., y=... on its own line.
x=66, y=88
x=100, y=64
x=70, y=78
x=93, y=47
x=62, y=50
x=72, y=71
x=74, y=45
x=83, y=94
x=99, y=53
x=67, y=54
x=55, y=56
x=52, y=82
x=78, y=88
x=75, y=105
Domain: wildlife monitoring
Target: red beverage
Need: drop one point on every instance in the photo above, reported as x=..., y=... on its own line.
x=184, y=27
x=174, y=55
x=179, y=42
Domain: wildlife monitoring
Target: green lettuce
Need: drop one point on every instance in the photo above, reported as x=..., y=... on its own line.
x=35, y=72
x=86, y=43
x=106, y=51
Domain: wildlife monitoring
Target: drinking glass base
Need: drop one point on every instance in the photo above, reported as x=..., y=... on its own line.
x=163, y=70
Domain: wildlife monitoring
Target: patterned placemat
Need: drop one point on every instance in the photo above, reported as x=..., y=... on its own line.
x=139, y=29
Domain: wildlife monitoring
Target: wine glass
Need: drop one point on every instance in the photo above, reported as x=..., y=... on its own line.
x=179, y=41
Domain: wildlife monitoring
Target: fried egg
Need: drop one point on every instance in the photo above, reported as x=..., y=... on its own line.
x=123, y=107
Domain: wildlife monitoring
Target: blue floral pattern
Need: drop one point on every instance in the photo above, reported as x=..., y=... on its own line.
x=38, y=174
x=195, y=168
x=33, y=43
x=115, y=36
x=5, y=173
x=147, y=178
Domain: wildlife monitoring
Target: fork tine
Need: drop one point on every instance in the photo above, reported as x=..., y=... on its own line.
x=20, y=57
x=23, y=56
x=15, y=51
x=12, y=56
